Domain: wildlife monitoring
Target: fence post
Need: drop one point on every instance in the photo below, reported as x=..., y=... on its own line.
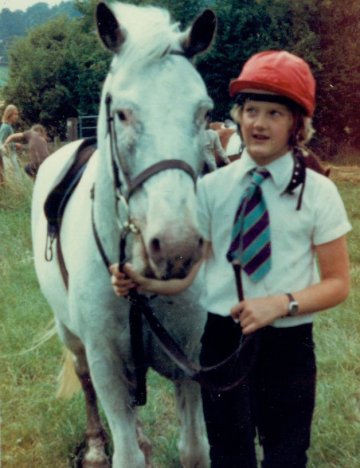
x=72, y=129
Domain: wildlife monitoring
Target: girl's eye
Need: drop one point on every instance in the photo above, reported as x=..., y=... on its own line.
x=250, y=111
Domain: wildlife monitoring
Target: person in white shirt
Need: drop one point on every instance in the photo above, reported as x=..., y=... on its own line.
x=304, y=268
x=213, y=148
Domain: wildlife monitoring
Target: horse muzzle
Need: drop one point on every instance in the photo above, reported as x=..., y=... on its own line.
x=170, y=258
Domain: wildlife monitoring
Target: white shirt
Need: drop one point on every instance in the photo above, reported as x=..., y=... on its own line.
x=212, y=145
x=234, y=145
x=294, y=234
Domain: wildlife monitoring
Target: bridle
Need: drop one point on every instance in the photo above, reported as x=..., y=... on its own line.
x=122, y=197
x=140, y=304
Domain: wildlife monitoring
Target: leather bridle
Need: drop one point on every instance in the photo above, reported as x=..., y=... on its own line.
x=140, y=306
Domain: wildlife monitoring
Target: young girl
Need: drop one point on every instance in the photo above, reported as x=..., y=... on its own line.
x=9, y=118
x=289, y=239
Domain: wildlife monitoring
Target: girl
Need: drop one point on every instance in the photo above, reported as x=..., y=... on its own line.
x=9, y=118
x=284, y=227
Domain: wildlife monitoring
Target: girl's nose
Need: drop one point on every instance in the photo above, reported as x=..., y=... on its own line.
x=260, y=121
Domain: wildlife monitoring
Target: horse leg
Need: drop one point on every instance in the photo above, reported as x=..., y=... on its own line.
x=144, y=444
x=95, y=456
x=112, y=387
x=193, y=445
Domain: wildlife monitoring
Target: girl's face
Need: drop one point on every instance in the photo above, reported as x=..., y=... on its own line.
x=265, y=128
x=14, y=117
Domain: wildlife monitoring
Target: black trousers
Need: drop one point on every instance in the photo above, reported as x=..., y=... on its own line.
x=276, y=400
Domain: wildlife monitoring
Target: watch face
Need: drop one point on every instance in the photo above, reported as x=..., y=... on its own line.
x=293, y=308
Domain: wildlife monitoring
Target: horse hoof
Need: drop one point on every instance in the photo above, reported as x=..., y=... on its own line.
x=98, y=464
x=95, y=456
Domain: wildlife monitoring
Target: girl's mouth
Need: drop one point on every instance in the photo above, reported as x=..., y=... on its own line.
x=259, y=137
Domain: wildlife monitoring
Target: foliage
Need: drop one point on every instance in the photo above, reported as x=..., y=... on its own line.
x=17, y=23
x=337, y=25
x=56, y=72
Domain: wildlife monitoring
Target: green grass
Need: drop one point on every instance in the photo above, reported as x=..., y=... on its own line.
x=41, y=431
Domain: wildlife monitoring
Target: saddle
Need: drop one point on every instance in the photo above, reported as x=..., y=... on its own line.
x=58, y=198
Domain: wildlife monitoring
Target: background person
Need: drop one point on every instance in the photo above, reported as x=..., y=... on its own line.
x=213, y=148
x=10, y=117
x=36, y=138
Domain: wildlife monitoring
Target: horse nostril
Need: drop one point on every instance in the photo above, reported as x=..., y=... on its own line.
x=155, y=245
x=201, y=242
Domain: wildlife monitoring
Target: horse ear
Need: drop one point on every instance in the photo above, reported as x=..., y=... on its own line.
x=108, y=28
x=201, y=34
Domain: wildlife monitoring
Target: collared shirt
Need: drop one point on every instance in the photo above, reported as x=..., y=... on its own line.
x=294, y=234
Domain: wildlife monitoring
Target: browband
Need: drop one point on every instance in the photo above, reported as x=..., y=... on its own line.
x=264, y=97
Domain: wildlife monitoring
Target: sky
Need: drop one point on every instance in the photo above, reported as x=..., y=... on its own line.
x=24, y=4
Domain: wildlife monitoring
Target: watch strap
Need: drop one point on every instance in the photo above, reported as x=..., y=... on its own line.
x=291, y=297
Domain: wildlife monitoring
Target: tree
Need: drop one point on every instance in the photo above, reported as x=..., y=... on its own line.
x=56, y=73
x=17, y=23
x=337, y=117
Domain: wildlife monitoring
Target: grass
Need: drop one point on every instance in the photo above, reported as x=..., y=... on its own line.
x=41, y=431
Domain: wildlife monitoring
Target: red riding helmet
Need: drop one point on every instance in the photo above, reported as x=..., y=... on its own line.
x=278, y=72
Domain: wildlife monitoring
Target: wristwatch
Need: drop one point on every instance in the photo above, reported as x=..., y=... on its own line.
x=293, y=307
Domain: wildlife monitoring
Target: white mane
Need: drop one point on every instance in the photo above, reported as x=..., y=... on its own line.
x=149, y=34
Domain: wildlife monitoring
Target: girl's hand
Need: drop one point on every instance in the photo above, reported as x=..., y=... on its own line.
x=257, y=313
x=122, y=282
x=129, y=279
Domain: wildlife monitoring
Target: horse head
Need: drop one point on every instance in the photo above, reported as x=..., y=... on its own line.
x=157, y=104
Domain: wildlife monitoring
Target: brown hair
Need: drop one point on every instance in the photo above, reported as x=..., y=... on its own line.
x=38, y=128
x=301, y=133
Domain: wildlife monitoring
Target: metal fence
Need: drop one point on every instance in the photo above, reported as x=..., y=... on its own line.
x=87, y=126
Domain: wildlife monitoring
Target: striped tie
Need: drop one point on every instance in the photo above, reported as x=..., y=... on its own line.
x=250, y=238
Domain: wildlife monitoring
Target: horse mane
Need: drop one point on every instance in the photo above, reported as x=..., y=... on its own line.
x=150, y=34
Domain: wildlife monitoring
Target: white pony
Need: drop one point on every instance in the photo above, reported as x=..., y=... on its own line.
x=153, y=109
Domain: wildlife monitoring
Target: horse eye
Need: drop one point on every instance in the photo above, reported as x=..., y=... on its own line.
x=122, y=116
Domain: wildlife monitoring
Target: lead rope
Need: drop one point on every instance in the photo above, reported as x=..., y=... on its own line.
x=140, y=306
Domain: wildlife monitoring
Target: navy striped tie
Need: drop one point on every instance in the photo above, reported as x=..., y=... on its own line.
x=250, y=239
